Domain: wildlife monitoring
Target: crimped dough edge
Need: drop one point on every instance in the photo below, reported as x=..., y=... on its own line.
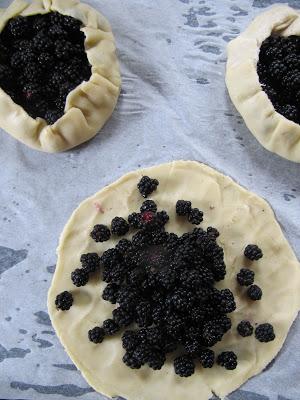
x=90, y=104
x=275, y=132
x=241, y=217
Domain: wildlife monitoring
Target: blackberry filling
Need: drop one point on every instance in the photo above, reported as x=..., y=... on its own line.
x=42, y=59
x=163, y=286
x=278, y=69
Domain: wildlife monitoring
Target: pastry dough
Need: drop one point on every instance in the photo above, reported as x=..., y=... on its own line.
x=90, y=104
x=242, y=218
x=272, y=130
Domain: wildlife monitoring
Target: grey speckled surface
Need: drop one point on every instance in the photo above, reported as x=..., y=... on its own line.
x=173, y=105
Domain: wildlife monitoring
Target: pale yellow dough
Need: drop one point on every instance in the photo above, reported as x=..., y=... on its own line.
x=90, y=104
x=242, y=218
x=272, y=130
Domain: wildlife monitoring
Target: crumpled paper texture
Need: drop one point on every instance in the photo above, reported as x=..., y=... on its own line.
x=173, y=105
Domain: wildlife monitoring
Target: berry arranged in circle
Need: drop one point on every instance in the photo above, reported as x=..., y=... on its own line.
x=163, y=288
x=253, y=252
x=265, y=333
x=42, y=59
x=64, y=301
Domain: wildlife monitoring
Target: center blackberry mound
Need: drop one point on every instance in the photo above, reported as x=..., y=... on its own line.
x=42, y=59
x=163, y=285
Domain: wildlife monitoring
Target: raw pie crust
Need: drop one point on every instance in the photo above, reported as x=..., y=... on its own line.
x=90, y=104
x=242, y=218
x=272, y=130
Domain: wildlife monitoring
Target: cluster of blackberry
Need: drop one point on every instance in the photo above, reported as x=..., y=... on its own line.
x=42, y=58
x=165, y=285
x=279, y=74
x=263, y=332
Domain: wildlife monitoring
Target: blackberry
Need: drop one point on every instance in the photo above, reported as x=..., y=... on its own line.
x=224, y=300
x=171, y=242
x=174, y=326
x=64, y=301
x=42, y=43
x=80, y=277
x=142, y=353
x=52, y=116
x=219, y=270
x=45, y=61
x=63, y=49
x=100, y=233
x=148, y=205
x=114, y=275
x=143, y=315
x=156, y=360
x=122, y=316
x=154, y=336
x=184, y=366
x=57, y=32
x=161, y=218
x=192, y=347
x=96, y=335
x=110, y=258
x=227, y=359
x=253, y=252
x=131, y=361
x=40, y=24
x=207, y=358
x=130, y=340
x=245, y=328
x=265, y=333
x=277, y=69
x=213, y=232
x=197, y=315
x=135, y=220
x=195, y=216
x=245, y=277
x=90, y=261
x=254, y=292
x=71, y=24
x=17, y=60
x=123, y=246
x=183, y=207
x=18, y=27
x=5, y=74
x=270, y=92
x=128, y=297
x=56, y=79
x=292, y=61
x=289, y=111
x=147, y=185
x=167, y=279
x=136, y=276
x=119, y=226
x=110, y=293
x=60, y=103
x=212, y=333
x=110, y=327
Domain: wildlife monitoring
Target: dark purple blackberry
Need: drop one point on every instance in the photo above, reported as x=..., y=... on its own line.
x=184, y=366
x=207, y=358
x=18, y=27
x=5, y=74
x=71, y=24
x=197, y=315
x=123, y=246
x=110, y=293
x=100, y=233
x=110, y=327
x=135, y=220
x=245, y=277
x=51, y=116
x=60, y=103
x=195, y=216
x=110, y=258
x=147, y=185
x=96, y=335
x=122, y=316
x=90, y=261
x=277, y=69
x=265, y=333
x=223, y=300
x=130, y=340
x=161, y=218
x=63, y=49
x=154, y=336
x=148, y=205
x=228, y=360
x=114, y=275
x=192, y=347
x=119, y=226
x=40, y=24
x=64, y=301
x=45, y=61
x=166, y=278
x=17, y=60
x=128, y=297
x=245, y=328
x=42, y=43
x=289, y=111
x=253, y=252
x=156, y=360
x=171, y=242
x=218, y=269
x=213, y=232
x=80, y=277
x=56, y=79
x=292, y=61
x=131, y=361
x=32, y=92
x=212, y=333
x=254, y=292
x=183, y=207
x=143, y=314
x=57, y=32
x=142, y=353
